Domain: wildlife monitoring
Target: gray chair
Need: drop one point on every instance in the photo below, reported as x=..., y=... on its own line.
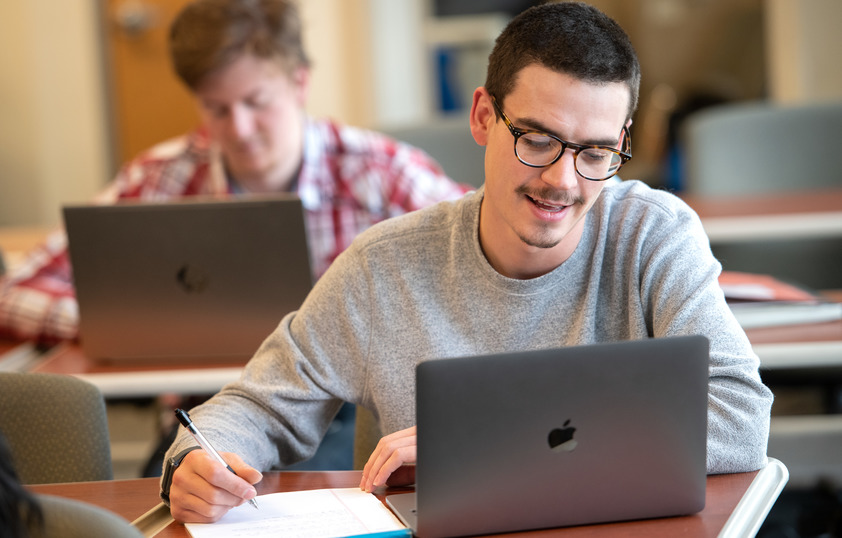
x=752, y=149
x=67, y=518
x=758, y=147
x=56, y=428
x=448, y=141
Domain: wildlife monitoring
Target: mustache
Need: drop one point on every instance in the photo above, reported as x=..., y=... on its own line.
x=549, y=194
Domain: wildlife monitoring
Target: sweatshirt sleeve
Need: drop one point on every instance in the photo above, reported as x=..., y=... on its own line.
x=681, y=293
x=276, y=414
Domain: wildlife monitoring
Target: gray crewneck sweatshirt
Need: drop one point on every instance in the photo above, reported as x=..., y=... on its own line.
x=418, y=287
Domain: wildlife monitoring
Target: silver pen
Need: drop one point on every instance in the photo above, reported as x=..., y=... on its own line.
x=184, y=418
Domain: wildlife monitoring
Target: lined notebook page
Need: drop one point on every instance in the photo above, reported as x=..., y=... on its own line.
x=322, y=513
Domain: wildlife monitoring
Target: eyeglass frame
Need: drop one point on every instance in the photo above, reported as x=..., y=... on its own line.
x=625, y=156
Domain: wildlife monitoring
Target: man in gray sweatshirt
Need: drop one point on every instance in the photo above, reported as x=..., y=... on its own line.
x=550, y=252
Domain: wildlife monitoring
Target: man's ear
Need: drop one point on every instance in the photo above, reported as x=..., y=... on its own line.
x=482, y=116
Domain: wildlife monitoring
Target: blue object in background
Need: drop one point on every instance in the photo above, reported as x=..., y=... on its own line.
x=448, y=79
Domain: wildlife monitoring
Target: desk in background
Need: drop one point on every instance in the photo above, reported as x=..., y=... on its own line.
x=17, y=356
x=786, y=347
x=142, y=379
x=794, y=236
x=16, y=241
x=741, y=494
x=809, y=214
x=10, y=346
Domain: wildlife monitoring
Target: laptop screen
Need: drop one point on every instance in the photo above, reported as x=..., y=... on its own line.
x=196, y=278
x=560, y=437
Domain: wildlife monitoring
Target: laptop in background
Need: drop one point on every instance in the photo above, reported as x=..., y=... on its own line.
x=553, y=438
x=196, y=278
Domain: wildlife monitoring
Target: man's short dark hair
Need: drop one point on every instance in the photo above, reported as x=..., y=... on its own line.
x=210, y=34
x=568, y=37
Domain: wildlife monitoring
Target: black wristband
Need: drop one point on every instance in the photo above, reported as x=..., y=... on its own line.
x=169, y=470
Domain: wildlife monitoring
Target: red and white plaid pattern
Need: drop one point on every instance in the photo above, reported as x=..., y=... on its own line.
x=350, y=179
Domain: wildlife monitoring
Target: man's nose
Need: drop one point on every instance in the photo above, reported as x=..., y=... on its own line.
x=241, y=122
x=562, y=173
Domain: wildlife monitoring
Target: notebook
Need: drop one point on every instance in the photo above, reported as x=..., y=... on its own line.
x=197, y=278
x=560, y=437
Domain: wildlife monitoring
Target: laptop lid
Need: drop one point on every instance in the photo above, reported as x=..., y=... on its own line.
x=196, y=278
x=559, y=437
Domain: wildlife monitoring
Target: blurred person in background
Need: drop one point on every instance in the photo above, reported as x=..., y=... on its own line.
x=246, y=66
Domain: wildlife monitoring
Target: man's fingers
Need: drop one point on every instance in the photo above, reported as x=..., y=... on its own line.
x=243, y=470
x=194, y=509
x=203, y=490
x=382, y=452
x=391, y=453
x=395, y=461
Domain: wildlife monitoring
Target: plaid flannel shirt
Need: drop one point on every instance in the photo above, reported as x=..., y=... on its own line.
x=349, y=179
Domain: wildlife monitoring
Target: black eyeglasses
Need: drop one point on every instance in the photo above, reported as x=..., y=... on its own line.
x=537, y=149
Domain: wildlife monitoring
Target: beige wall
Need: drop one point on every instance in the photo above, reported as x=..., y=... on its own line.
x=336, y=35
x=367, y=60
x=803, y=42
x=52, y=136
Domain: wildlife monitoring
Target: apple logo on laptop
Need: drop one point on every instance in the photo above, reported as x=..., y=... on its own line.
x=192, y=279
x=561, y=439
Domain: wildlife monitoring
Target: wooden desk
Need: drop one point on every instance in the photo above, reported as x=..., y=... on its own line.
x=8, y=345
x=139, y=379
x=16, y=241
x=793, y=346
x=22, y=238
x=811, y=214
x=796, y=215
x=813, y=345
x=17, y=356
x=132, y=498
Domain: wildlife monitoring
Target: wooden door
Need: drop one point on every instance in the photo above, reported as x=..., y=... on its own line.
x=149, y=103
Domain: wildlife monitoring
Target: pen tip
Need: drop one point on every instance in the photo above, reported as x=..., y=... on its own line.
x=254, y=504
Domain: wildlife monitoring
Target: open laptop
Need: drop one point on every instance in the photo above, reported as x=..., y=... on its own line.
x=560, y=437
x=197, y=278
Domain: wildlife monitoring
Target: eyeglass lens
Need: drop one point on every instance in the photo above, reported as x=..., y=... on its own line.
x=540, y=150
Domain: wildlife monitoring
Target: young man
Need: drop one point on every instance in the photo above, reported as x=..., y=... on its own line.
x=245, y=63
x=548, y=254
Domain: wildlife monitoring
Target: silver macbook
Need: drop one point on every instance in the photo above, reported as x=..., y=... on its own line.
x=560, y=437
x=201, y=278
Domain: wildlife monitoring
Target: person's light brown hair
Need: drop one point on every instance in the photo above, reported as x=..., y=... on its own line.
x=210, y=34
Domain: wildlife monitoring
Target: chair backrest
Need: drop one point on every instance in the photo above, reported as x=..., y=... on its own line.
x=448, y=141
x=759, y=148
x=750, y=148
x=74, y=519
x=366, y=435
x=56, y=428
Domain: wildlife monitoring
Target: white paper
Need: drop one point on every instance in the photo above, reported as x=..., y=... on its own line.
x=321, y=513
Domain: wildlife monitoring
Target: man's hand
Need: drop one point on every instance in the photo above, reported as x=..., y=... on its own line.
x=388, y=464
x=203, y=490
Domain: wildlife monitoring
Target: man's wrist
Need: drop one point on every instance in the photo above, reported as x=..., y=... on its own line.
x=169, y=470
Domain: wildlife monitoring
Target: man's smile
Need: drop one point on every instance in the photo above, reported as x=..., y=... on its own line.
x=546, y=206
x=549, y=200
